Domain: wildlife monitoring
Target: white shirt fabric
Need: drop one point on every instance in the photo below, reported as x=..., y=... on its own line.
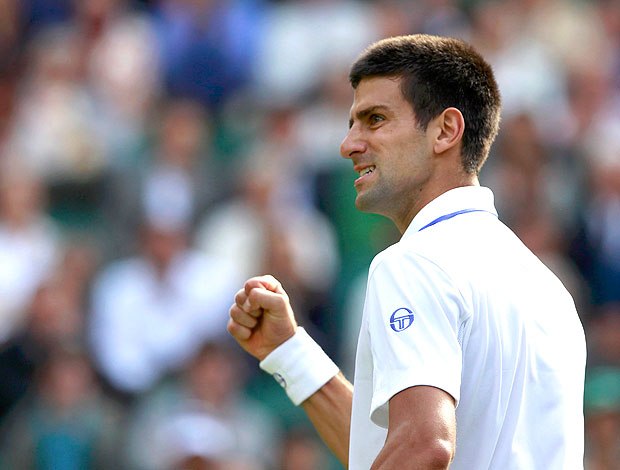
x=464, y=306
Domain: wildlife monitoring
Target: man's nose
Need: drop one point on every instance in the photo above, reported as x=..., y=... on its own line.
x=352, y=144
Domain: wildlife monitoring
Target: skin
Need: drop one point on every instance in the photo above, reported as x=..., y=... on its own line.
x=411, y=168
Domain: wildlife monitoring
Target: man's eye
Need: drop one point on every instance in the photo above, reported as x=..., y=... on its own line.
x=375, y=118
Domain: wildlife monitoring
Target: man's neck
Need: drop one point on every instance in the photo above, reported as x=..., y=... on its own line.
x=432, y=190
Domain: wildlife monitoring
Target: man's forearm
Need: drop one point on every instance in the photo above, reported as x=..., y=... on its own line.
x=329, y=409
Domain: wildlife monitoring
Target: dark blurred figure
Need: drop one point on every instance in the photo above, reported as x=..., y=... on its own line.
x=302, y=451
x=66, y=423
x=207, y=47
x=54, y=318
x=38, y=14
x=11, y=46
x=602, y=393
x=203, y=416
x=196, y=462
x=530, y=175
x=177, y=172
x=596, y=247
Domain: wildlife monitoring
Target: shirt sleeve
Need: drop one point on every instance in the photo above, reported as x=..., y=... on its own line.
x=414, y=314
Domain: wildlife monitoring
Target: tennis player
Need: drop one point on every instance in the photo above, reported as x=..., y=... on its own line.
x=471, y=355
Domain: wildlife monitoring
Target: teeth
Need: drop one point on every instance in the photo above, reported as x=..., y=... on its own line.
x=367, y=170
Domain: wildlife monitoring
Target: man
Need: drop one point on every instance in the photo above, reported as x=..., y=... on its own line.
x=471, y=354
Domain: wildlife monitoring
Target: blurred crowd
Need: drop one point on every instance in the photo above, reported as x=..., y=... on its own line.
x=155, y=154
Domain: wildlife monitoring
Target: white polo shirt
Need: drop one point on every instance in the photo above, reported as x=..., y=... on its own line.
x=459, y=303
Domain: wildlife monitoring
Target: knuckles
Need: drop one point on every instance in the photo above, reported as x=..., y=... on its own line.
x=234, y=312
x=240, y=297
x=281, y=302
x=242, y=318
x=262, y=292
x=238, y=331
x=253, y=296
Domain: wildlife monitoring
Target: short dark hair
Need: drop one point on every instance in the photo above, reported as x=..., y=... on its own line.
x=439, y=73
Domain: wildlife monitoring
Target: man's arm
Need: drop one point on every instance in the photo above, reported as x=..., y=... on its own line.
x=329, y=409
x=261, y=319
x=421, y=431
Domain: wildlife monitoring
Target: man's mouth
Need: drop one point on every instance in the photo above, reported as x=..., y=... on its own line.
x=365, y=171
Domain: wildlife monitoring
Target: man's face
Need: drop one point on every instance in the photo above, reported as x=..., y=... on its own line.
x=388, y=150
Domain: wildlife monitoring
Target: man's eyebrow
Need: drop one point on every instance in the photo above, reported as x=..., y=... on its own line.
x=361, y=114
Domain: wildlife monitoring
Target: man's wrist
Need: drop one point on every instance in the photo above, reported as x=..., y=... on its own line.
x=300, y=366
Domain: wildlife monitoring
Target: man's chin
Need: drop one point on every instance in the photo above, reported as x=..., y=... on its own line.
x=363, y=204
x=369, y=205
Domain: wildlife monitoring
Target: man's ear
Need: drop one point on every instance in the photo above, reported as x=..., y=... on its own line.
x=449, y=128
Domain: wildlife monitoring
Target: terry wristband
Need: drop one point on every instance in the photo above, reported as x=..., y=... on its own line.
x=300, y=366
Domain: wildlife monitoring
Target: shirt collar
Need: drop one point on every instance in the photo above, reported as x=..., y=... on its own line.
x=466, y=197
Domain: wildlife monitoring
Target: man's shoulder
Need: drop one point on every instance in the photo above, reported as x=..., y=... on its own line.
x=443, y=259
x=386, y=256
x=405, y=257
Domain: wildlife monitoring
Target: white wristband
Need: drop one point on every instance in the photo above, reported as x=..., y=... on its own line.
x=300, y=366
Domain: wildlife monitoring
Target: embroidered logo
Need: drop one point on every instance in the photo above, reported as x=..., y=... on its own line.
x=401, y=319
x=280, y=379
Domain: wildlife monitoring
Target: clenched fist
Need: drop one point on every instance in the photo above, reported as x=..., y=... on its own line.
x=261, y=319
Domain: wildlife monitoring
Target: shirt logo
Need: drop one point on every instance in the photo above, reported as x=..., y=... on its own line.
x=280, y=379
x=401, y=319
